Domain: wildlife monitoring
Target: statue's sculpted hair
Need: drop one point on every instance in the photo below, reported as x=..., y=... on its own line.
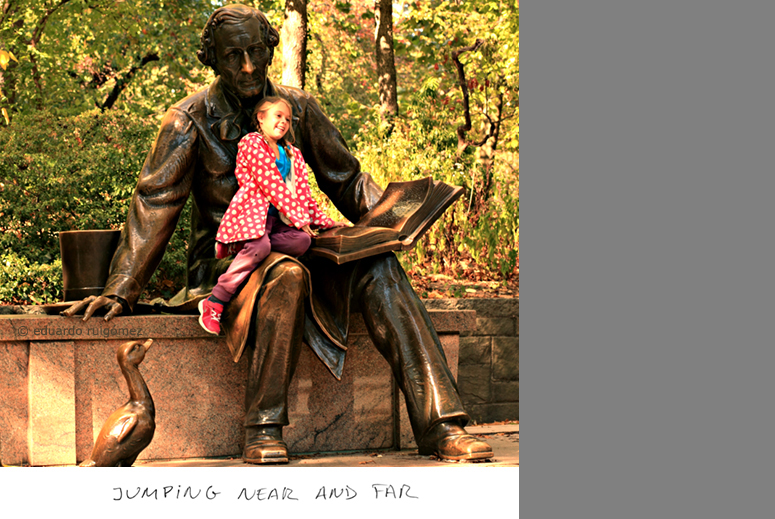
x=231, y=15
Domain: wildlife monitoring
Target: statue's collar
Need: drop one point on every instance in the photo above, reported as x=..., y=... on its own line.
x=218, y=105
x=220, y=102
x=226, y=109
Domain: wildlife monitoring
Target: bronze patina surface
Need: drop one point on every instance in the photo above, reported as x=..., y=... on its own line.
x=85, y=261
x=289, y=300
x=129, y=429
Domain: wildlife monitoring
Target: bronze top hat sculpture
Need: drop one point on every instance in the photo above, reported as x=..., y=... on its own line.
x=86, y=259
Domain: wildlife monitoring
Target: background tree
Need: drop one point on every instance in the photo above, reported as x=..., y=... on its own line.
x=293, y=37
x=480, y=85
x=386, y=66
x=341, y=58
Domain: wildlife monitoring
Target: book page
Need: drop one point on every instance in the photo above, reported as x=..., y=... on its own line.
x=344, y=239
x=399, y=202
x=435, y=204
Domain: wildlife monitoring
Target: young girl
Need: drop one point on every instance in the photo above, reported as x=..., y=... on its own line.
x=272, y=210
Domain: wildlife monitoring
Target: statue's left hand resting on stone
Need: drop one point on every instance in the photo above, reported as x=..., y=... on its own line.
x=92, y=304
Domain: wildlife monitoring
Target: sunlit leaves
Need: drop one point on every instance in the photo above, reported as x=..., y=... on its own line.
x=86, y=47
x=5, y=58
x=65, y=173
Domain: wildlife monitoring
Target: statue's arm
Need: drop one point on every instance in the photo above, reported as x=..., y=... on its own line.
x=337, y=171
x=162, y=189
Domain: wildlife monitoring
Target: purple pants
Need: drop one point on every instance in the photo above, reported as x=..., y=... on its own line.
x=278, y=237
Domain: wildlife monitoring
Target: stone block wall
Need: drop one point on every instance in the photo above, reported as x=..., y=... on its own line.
x=61, y=382
x=488, y=366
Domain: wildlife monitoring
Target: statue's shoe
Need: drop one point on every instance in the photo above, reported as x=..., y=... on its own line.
x=265, y=445
x=260, y=453
x=452, y=442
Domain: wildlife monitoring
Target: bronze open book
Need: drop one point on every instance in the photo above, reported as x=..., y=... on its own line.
x=403, y=214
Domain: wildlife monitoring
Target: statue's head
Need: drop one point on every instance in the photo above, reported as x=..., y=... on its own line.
x=238, y=44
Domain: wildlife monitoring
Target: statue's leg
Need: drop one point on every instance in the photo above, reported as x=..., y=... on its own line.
x=402, y=331
x=273, y=352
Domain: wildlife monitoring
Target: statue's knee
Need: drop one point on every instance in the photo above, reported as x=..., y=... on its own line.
x=383, y=279
x=289, y=273
x=386, y=269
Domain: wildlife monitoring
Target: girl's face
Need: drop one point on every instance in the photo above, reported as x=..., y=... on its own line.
x=275, y=122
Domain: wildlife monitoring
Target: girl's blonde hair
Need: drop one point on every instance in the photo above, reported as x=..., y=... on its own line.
x=264, y=105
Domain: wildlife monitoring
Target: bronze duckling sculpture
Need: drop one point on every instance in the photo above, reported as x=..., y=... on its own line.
x=130, y=428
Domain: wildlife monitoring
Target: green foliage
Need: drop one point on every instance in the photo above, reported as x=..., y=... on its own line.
x=70, y=173
x=24, y=281
x=66, y=166
x=422, y=143
x=427, y=33
x=71, y=54
x=482, y=228
x=341, y=68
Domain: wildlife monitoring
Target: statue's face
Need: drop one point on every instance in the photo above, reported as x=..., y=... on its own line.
x=242, y=57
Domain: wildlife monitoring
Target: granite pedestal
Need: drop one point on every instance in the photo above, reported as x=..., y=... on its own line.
x=61, y=381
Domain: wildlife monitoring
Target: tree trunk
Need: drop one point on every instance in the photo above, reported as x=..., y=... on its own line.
x=122, y=82
x=294, y=40
x=386, y=66
x=463, y=129
x=320, y=76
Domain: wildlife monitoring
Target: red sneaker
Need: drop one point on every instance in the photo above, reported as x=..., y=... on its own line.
x=210, y=316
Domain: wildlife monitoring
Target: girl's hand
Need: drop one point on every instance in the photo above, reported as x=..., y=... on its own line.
x=309, y=231
x=343, y=223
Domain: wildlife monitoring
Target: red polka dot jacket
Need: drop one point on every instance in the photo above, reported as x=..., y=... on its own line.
x=260, y=185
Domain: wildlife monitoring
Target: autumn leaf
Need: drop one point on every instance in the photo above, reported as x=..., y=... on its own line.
x=5, y=59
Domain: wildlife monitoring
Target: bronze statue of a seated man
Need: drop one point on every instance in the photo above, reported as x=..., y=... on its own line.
x=287, y=300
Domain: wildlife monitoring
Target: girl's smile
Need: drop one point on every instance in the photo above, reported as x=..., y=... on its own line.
x=275, y=122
